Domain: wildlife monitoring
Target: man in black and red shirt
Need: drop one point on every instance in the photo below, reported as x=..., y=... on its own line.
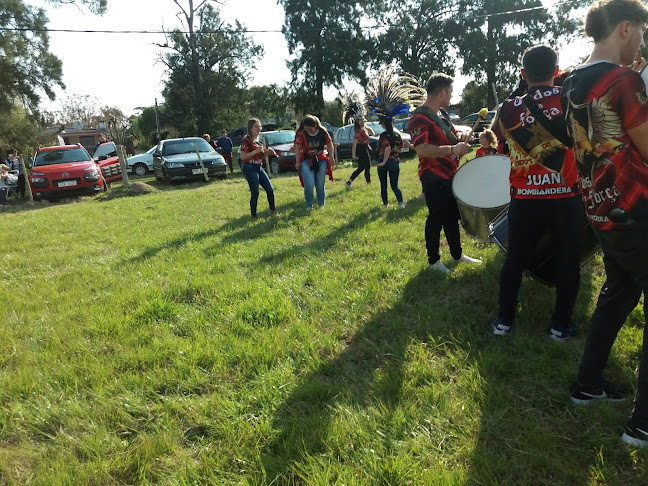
x=607, y=117
x=545, y=192
x=439, y=149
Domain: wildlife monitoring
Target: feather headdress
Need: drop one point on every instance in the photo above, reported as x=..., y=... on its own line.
x=353, y=107
x=391, y=93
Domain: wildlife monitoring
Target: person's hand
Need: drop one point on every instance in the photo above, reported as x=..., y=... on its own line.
x=354, y=157
x=297, y=165
x=461, y=149
x=464, y=137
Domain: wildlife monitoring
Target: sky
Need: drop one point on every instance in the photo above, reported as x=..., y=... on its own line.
x=121, y=69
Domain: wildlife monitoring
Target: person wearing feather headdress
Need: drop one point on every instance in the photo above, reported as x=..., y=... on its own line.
x=606, y=111
x=313, y=152
x=439, y=148
x=545, y=192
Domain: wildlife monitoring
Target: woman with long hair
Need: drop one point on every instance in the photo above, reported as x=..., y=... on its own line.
x=313, y=152
x=360, y=150
x=251, y=153
x=390, y=144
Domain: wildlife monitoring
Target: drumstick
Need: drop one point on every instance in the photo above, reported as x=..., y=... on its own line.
x=480, y=116
x=638, y=57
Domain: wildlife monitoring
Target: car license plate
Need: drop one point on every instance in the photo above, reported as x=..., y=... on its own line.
x=199, y=171
x=67, y=183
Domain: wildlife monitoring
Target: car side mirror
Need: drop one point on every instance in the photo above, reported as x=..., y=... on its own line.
x=101, y=157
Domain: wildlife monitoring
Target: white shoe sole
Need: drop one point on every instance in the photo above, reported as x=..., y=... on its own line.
x=633, y=441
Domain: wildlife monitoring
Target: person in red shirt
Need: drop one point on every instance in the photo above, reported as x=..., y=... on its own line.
x=251, y=154
x=313, y=153
x=606, y=111
x=439, y=149
x=545, y=192
x=488, y=142
x=360, y=151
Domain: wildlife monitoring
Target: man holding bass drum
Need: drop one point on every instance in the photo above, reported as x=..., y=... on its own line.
x=545, y=192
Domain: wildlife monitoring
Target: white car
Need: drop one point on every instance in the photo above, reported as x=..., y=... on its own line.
x=141, y=164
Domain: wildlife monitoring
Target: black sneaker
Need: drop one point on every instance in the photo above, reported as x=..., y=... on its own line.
x=562, y=335
x=635, y=435
x=501, y=326
x=584, y=395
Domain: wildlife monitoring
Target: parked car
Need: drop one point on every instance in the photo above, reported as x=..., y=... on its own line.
x=141, y=164
x=344, y=136
x=282, y=143
x=237, y=135
x=65, y=171
x=470, y=120
x=106, y=156
x=176, y=160
x=329, y=128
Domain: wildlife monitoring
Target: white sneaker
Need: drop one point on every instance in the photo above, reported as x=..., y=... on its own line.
x=439, y=266
x=347, y=184
x=466, y=259
x=401, y=205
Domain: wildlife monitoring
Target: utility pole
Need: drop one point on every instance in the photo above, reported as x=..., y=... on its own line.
x=157, y=121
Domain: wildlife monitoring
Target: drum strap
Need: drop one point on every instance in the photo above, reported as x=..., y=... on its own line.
x=443, y=125
x=542, y=119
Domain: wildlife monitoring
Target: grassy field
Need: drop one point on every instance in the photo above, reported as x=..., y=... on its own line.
x=167, y=338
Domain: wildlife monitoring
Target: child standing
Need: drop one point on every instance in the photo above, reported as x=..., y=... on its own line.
x=488, y=142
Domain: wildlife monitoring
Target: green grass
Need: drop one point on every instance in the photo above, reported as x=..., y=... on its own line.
x=169, y=339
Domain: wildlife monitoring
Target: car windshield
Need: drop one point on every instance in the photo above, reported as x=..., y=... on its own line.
x=109, y=150
x=64, y=156
x=186, y=147
x=376, y=126
x=280, y=137
x=401, y=124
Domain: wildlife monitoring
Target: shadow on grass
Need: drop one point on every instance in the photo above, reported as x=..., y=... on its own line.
x=522, y=430
x=325, y=243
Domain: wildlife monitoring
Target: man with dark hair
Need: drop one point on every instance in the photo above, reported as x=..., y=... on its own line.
x=439, y=149
x=224, y=143
x=545, y=192
x=607, y=116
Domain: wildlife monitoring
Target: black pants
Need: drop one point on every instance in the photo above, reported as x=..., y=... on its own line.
x=364, y=163
x=528, y=219
x=442, y=213
x=626, y=270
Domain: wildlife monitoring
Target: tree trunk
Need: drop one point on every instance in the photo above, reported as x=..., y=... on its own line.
x=490, y=65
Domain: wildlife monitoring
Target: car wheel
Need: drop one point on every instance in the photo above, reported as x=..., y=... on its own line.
x=274, y=165
x=166, y=177
x=105, y=184
x=140, y=169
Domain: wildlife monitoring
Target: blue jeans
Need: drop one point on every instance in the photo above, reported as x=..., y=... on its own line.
x=255, y=176
x=393, y=169
x=314, y=179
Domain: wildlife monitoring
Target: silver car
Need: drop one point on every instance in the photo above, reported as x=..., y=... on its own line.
x=344, y=136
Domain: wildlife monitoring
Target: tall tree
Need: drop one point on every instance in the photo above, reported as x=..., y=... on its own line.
x=328, y=45
x=419, y=34
x=207, y=64
x=496, y=33
x=27, y=68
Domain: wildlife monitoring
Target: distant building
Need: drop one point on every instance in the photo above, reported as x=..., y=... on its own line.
x=88, y=137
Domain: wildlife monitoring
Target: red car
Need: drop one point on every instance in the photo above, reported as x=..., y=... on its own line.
x=106, y=156
x=65, y=171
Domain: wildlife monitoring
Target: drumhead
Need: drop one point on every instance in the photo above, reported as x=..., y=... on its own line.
x=483, y=182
